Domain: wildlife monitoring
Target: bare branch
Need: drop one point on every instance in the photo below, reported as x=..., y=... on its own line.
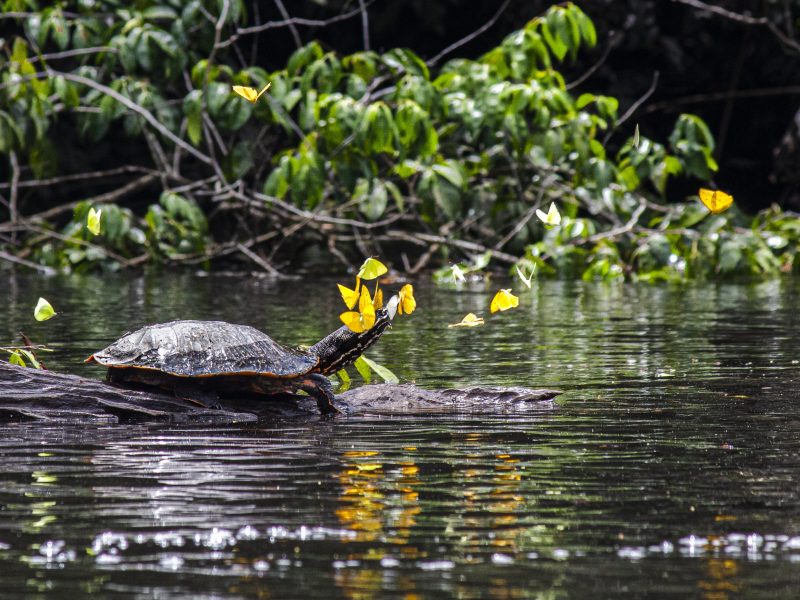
x=111, y=196
x=12, y=203
x=26, y=263
x=292, y=27
x=140, y=110
x=634, y=107
x=364, y=24
x=614, y=39
x=746, y=20
x=258, y=260
x=71, y=53
x=470, y=37
x=292, y=21
x=79, y=177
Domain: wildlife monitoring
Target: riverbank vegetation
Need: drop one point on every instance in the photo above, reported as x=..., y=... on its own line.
x=424, y=162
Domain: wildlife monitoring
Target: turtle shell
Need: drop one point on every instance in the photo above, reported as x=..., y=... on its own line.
x=205, y=349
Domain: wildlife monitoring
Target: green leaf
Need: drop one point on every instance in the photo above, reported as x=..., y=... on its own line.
x=31, y=358
x=363, y=368
x=43, y=311
x=382, y=371
x=344, y=377
x=16, y=359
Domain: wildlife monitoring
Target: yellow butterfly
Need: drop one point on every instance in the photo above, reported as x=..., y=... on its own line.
x=458, y=274
x=715, y=200
x=349, y=296
x=93, y=221
x=250, y=94
x=407, y=301
x=377, y=299
x=372, y=269
x=552, y=217
x=43, y=311
x=503, y=300
x=471, y=320
x=364, y=319
x=526, y=280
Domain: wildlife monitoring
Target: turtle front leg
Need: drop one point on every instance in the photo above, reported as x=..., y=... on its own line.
x=320, y=388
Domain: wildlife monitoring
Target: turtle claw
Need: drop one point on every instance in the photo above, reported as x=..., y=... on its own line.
x=205, y=398
x=319, y=386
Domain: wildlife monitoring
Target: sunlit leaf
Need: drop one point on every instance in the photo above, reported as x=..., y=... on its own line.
x=407, y=301
x=250, y=94
x=31, y=358
x=471, y=320
x=715, y=200
x=364, y=319
x=363, y=369
x=93, y=221
x=636, y=137
x=372, y=269
x=503, y=300
x=526, y=280
x=458, y=274
x=43, y=311
x=552, y=217
x=344, y=377
x=382, y=371
x=16, y=359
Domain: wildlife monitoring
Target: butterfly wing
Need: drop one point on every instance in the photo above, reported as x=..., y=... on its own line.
x=715, y=201
x=353, y=321
x=245, y=92
x=349, y=296
x=264, y=89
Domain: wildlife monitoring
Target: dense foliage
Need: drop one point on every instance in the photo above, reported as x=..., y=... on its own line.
x=368, y=153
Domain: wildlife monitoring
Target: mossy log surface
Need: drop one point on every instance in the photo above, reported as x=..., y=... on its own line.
x=37, y=395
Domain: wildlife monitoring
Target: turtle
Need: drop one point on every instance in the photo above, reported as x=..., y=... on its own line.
x=198, y=360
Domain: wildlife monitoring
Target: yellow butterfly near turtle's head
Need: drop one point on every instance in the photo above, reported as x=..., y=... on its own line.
x=250, y=94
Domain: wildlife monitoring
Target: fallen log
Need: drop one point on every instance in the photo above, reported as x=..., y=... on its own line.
x=36, y=395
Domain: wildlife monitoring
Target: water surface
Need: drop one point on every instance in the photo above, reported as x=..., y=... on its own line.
x=669, y=467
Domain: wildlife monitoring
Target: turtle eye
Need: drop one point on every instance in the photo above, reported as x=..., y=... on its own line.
x=391, y=307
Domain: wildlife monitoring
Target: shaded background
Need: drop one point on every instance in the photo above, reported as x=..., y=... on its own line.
x=738, y=76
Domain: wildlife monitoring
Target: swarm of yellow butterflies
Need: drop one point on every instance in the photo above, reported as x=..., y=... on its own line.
x=716, y=201
x=250, y=94
x=362, y=319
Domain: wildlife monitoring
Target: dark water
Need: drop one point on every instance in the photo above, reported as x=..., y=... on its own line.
x=669, y=468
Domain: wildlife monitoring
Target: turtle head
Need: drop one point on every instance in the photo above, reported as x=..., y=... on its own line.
x=342, y=347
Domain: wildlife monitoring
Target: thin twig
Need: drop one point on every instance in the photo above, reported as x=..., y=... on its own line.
x=287, y=22
x=78, y=177
x=426, y=238
x=258, y=260
x=634, y=107
x=13, y=211
x=292, y=27
x=468, y=38
x=613, y=41
x=105, y=198
x=26, y=263
x=745, y=19
x=130, y=104
x=529, y=215
x=789, y=90
x=364, y=24
x=612, y=233
x=71, y=53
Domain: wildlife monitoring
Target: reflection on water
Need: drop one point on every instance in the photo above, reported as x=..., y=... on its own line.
x=669, y=467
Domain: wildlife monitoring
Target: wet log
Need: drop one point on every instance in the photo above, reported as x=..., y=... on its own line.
x=37, y=395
